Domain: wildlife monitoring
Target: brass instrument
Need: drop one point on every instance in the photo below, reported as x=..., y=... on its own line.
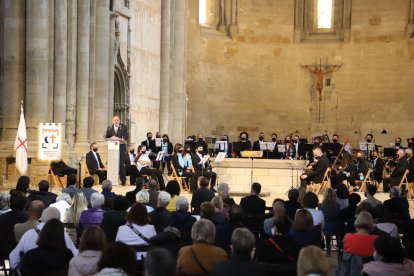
x=389, y=166
x=339, y=168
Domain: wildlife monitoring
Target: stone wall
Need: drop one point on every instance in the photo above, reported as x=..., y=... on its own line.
x=254, y=81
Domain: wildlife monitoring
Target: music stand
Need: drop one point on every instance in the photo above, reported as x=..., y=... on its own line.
x=221, y=146
x=368, y=148
x=307, y=147
x=160, y=155
x=238, y=147
x=390, y=152
x=266, y=147
x=252, y=154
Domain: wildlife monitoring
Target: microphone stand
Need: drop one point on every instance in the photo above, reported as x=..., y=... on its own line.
x=79, y=162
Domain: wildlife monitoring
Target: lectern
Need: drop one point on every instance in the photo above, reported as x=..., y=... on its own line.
x=113, y=160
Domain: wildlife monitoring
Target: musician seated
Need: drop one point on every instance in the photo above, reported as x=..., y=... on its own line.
x=290, y=151
x=394, y=178
x=167, y=148
x=145, y=166
x=94, y=163
x=200, y=139
x=377, y=166
x=228, y=150
x=130, y=165
x=345, y=169
x=361, y=165
x=299, y=150
x=316, y=171
x=397, y=143
x=257, y=145
x=274, y=154
x=243, y=145
x=183, y=165
x=410, y=160
x=348, y=147
x=203, y=169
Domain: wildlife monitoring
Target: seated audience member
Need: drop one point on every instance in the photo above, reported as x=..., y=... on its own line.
x=94, y=163
x=279, y=209
x=225, y=230
x=139, y=184
x=342, y=194
x=144, y=166
x=71, y=185
x=23, y=184
x=51, y=257
x=218, y=217
x=159, y=262
x=174, y=190
x=202, y=255
x=182, y=218
x=153, y=193
x=79, y=204
x=207, y=211
x=9, y=219
x=240, y=264
x=292, y=204
x=137, y=230
x=223, y=192
x=312, y=262
x=35, y=212
x=94, y=215
x=143, y=197
x=117, y=259
x=370, y=196
x=87, y=188
x=107, y=193
x=303, y=230
x=160, y=217
x=279, y=248
x=361, y=243
x=43, y=194
x=310, y=202
x=397, y=206
x=253, y=209
x=113, y=219
x=384, y=222
x=348, y=214
x=4, y=203
x=201, y=195
x=333, y=225
x=92, y=243
x=28, y=240
x=169, y=239
x=388, y=259
x=62, y=203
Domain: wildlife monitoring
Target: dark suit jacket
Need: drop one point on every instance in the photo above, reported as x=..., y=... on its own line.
x=176, y=164
x=127, y=160
x=111, y=222
x=121, y=133
x=199, y=196
x=91, y=162
x=319, y=170
x=400, y=168
x=378, y=168
x=150, y=145
x=169, y=149
x=7, y=238
x=131, y=196
x=198, y=167
x=362, y=167
x=410, y=175
x=241, y=266
x=253, y=205
x=256, y=145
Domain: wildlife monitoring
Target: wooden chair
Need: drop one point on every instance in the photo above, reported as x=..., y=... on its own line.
x=365, y=181
x=95, y=176
x=404, y=180
x=409, y=185
x=326, y=182
x=180, y=179
x=52, y=177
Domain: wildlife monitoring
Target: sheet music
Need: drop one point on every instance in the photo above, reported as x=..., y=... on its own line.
x=160, y=155
x=366, y=146
x=204, y=159
x=158, y=142
x=281, y=148
x=220, y=157
x=221, y=145
x=267, y=146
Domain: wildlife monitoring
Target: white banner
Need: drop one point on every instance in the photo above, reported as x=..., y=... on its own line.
x=50, y=142
x=20, y=146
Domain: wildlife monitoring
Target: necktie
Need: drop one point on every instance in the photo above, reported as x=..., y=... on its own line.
x=116, y=128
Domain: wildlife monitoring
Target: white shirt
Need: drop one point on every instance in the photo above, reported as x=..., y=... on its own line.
x=62, y=206
x=132, y=159
x=318, y=217
x=28, y=242
x=144, y=158
x=128, y=236
x=96, y=157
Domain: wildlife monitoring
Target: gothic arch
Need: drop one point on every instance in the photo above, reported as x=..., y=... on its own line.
x=121, y=91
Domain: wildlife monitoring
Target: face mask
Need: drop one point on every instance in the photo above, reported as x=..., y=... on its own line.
x=200, y=139
x=295, y=141
x=261, y=138
x=131, y=151
x=316, y=142
x=157, y=136
x=359, y=158
x=149, y=137
x=397, y=144
x=143, y=152
x=165, y=139
x=368, y=140
x=274, y=139
x=335, y=140
x=243, y=138
x=287, y=141
x=223, y=139
x=95, y=149
x=180, y=150
x=407, y=156
x=188, y=149
x=374, y=156
x=316, y=158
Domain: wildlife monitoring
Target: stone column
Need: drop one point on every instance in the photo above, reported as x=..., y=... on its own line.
x=111, y=72
x=60, y=64
x=37, y=64
x=102, y=41
x=91, y=94
x=51, y=60
x=82, y=85
x=12, y=65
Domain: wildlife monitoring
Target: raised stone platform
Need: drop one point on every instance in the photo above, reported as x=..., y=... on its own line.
x=275, y=176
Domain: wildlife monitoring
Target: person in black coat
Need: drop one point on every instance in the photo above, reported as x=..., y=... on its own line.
x=256, y=145
x=160, y=217
x=225, y=230
x=201, y=195
x=410, y=167
x=43, y=194
x=94, y=163
x=395, y=177
x=170, y=239
x=182, y=166
x=377, y=166
x=118, y=131
x=253, y=209
x=203, y=169
x=112, y=219
x=139, y=184
x=292, y=204
x=182, y=219
x=318, y=169
x=167, y=148
x=130, y=165
x=149, y=142
x=397, y=206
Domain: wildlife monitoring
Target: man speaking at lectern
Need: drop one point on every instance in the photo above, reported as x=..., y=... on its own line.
x=118, y=131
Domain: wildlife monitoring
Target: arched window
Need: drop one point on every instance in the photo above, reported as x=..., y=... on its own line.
x=324, y=13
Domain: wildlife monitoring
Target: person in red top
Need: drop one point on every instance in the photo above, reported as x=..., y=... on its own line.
x=361, y=243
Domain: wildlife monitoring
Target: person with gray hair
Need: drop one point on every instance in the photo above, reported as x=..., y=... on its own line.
x=143, y=197
x=397, y=206
x=159, y=262
x=107, y=190
x=63, y=202
x=4, y=202
x=153, y=193
x=278, y=209
x=94, y=215
x=223, y=192
x=202, y=250
x=161, y=217
x=242, y=244
x=182, y=218
x=29, y=239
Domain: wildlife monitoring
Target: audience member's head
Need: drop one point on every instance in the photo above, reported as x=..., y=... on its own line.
x=384, y=215
x=236, y=214
x=71, y=180
x=163, y=199
x=17, y=201
x=97, y=200
x=203, y=231
x=310, y=200
x=52, y=235
x=204, y=182
x=174, y=230
x=173, y=188
x=121, y=203
x=329, y=198
x=388, y=250
x=293, y=195
x=207, y=210
x=159, y=262
x=312, y=261
x=36, y=208
x=242, y=242
x=371, y=190
x=182, y=203
x=256, y=188
x=138, y=214
x=107, y=185
x=50, y=213
x=354, y=199
x=64, y=197
x=152, y=184
x=364, y=222
x=142, y=197
x=303, y=220
x=118, y=255
x=217, y=202
x=395, y=191
x=223, y=190
x=23, y=184
x=281, y=225
x=43, y=185
x=278, y=208
x=4, y=201
x=88, y=182
x=93, y=238
x=79, y=204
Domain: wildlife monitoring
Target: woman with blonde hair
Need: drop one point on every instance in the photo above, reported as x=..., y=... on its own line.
x=312, y=261
x=79, y=204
